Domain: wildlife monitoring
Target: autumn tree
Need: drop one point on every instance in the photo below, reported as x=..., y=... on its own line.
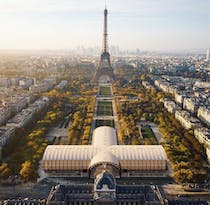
x=183, y=175
x=28, y=171
x=4, y=171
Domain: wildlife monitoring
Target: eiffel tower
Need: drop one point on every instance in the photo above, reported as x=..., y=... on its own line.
x=105, y=72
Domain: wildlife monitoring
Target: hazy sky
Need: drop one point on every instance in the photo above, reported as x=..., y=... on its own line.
x=143, y=24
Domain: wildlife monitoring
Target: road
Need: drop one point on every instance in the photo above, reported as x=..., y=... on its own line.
x=176, y=191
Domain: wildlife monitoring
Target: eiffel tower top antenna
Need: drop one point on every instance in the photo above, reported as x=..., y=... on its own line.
x=105, y=38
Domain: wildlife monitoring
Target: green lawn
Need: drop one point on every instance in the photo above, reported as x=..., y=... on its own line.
x=148, y=134
x=105, y=123
x=104, y=108
x=105, y=90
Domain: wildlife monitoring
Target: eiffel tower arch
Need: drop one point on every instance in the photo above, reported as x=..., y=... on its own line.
x=105, y=73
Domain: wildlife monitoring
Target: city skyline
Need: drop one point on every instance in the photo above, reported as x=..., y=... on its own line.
x=147, y=25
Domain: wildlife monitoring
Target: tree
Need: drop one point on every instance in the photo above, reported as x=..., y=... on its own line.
x=181, y=165
x=28, y=171
x=183, y=175
x=4, y=171
x=148, y=141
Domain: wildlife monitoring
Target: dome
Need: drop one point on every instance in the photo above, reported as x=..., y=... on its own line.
x=104, y=157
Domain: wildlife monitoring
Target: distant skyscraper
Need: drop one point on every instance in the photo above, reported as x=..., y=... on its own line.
x=208, y=55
